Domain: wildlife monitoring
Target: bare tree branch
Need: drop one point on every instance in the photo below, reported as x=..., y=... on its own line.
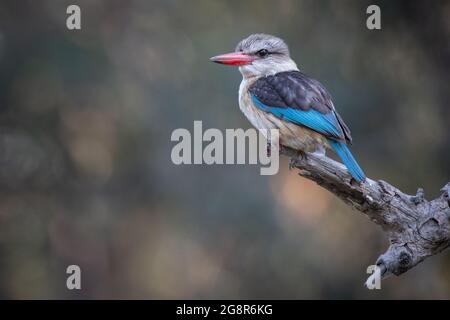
x=416, y=228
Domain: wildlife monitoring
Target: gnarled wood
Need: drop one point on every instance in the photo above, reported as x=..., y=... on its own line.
x=416, y=228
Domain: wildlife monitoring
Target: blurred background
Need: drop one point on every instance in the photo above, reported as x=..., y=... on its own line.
x=85, y=171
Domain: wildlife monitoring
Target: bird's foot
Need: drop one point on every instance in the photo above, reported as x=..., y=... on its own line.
x=294, y=160
x=292, y=163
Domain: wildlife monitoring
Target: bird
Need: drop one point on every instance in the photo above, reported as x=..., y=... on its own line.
x=275, y=94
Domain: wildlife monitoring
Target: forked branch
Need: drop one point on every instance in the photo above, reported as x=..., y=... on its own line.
x=416, y=228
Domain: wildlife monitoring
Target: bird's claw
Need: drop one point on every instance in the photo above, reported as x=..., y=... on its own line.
x=294, y=160
x=292, y=163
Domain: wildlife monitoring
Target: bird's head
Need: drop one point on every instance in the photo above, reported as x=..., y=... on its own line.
x=259, y=55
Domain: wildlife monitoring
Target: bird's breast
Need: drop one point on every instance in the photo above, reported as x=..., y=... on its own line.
x=291, y=135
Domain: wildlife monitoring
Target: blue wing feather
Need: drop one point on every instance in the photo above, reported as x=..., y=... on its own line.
x=326, y=124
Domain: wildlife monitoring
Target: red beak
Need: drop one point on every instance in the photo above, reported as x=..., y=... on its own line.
x=233, y=59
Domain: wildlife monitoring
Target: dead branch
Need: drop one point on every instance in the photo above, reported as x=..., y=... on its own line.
x=416, y=228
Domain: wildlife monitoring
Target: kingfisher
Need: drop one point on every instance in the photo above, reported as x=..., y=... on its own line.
x=274, y=94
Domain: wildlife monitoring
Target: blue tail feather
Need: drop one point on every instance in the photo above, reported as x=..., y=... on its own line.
x=347, y=158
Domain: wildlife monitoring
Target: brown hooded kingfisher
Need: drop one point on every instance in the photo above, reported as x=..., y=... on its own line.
x=274, y=94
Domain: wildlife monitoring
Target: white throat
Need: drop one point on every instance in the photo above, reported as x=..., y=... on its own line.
x=263, y=68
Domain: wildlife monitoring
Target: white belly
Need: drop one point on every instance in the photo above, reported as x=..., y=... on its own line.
x=291, y=135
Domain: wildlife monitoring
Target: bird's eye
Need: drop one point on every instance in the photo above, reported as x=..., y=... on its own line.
x=262, y=53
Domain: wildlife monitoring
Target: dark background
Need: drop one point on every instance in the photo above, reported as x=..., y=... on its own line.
x=85, y=171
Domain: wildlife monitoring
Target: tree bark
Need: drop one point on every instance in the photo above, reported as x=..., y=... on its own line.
x=416, y=228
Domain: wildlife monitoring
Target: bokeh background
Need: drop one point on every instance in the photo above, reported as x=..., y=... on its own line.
x=85, y=171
